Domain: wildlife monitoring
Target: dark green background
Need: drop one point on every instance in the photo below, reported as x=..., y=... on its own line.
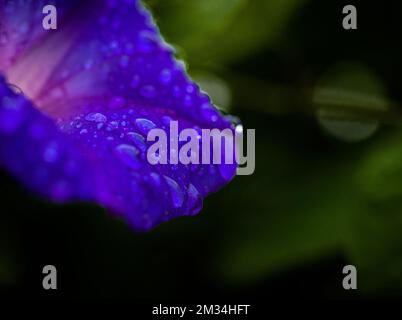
x=327, y=190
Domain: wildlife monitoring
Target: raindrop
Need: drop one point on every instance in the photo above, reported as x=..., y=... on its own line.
x=128, y=155
x=51, y=153
x=194, y=200
x=166, y=120
x=113, y=125
x=175, y=192
x=165, y=76
x=14, y=88
x=148, y=91
x=96, y=117
x=138, y=140
x=144, y=125
x=209, y=113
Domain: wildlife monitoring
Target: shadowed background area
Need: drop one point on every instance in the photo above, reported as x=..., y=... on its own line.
x=326, y=104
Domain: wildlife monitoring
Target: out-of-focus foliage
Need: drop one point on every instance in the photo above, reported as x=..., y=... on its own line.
x=326, y=197
x=222, y=31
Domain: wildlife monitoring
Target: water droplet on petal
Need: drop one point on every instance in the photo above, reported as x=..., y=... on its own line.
x=11, y=115
x=148, y=91
x=96, y=117
x=187, y=101
x=166, y=120
x=14, y=88
x=128, y=155
x=165, y=76
x=175, y=192
x=177, y=92
x=194, y=201
x=146, y=42
x=209, y=113
x=113, y=125
x=51, y=153
x=144, y=125
x=138, y=140
x=155, y=179
x=190, y=88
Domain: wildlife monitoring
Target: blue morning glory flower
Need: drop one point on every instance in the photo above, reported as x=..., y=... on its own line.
x=91, y=90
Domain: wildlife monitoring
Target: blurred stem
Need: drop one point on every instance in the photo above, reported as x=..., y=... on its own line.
x=269, y=97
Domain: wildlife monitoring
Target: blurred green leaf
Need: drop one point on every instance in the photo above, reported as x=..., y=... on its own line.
x=376, y=241
x=222, y=31
x=301, y=216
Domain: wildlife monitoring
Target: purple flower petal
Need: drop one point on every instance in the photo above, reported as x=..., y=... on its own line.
x=93, y=89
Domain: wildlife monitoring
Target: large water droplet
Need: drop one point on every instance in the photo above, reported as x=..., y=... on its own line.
x=191, y=88
x=144, y=125
x=128, y=155
x=194, y=201
x=51, y=153
x=166, y=120
x=175, y=192
x=165, y=77
x=96, y=117
x=155, y=179
x=177, y=92
x=146, y=42
x=14, y=88
x=138, y=140
x=187, y=101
